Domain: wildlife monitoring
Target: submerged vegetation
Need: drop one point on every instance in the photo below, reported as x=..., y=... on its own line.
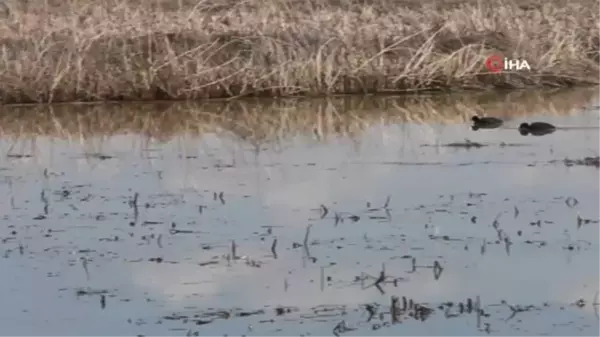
x=62, y=51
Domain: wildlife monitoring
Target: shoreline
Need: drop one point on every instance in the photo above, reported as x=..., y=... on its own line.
x=255, y=99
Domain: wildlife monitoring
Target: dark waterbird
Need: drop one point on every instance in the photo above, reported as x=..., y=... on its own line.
x=485, y=123
x=536, y=128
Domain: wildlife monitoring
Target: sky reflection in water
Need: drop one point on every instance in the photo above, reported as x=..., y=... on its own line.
x=434, y=193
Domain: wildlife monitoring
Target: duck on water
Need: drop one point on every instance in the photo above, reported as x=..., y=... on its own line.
x=536, y=128
x=485, y=123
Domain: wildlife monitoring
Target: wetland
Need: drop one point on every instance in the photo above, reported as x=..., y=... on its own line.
x=334, y=216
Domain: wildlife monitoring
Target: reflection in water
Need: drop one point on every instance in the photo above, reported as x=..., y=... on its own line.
x=267, y=121
x=297, y=217
x=525, y=132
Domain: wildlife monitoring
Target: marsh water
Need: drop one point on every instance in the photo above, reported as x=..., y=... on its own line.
x=347, y=216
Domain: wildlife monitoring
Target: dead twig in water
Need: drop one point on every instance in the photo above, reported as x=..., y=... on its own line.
x=507, y=244
x=394, y=309
x=324, y=211
x=385, y=208
x=466, y=145
x=174, y=231
x=478, y=308
x=595, y=304
x=381, y=277
x=12, y=196
x=388, y=214
x=581, y=221
x=273, y=247
x=84, y=264
x=496, y=222
x=305, y=245
x=133, y=203
x=571, y=202
x=437, y=270
x=45, y=201
x=306, y=235
x=499, y=233
x=233, y=250
x=387, y=202
x=517, y=309
x=371, y=310
x=337, y=219
x=536, y=223
x=354, y=218
x=341, y=328
x=381, y=280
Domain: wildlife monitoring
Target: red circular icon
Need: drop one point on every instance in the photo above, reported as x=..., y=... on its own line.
x=494, y=63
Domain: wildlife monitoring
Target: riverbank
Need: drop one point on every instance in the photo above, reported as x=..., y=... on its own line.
x=125, y=50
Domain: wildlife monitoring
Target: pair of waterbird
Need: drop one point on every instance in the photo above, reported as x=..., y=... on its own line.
x=535, y=128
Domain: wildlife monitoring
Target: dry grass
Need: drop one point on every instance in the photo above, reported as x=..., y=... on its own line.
x=63, y=51
x=272, y=121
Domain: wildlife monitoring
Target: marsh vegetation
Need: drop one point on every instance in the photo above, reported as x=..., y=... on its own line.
x=59, y=51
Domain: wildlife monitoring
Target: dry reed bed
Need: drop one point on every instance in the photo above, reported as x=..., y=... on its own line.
x=61, y=51
x=263, y=121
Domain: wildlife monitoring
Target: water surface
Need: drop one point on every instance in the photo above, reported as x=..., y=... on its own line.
x=508, y=222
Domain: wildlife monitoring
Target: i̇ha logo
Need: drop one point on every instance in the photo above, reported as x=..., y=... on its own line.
x=497, y=63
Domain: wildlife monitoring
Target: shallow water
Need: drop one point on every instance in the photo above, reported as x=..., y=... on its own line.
x=443, y=205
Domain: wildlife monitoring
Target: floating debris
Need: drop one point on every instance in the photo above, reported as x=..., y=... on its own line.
x=341, y=327
x=324, y=211
x=587, y=161
x=84, y=264
x=467, y=144
x=18, y=156
x=571, y=202
x=437, y=270
x=97, y=156
x=274, y=247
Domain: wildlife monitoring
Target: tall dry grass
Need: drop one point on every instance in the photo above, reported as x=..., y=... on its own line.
x=272, y=121
x=67, y=50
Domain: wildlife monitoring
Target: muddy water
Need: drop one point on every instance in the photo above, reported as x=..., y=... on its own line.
x=500, y=238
